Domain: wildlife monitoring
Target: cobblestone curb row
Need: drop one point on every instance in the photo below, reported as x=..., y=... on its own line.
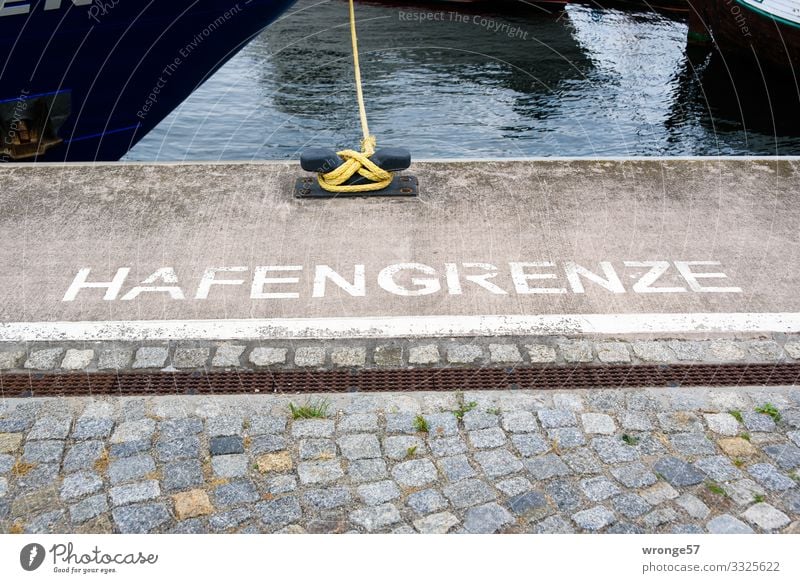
x=617, y=461
x=400, y=353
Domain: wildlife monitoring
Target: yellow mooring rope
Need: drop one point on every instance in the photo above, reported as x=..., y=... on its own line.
x=357, y=162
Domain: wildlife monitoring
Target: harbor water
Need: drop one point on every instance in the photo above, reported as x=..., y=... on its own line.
x=447, y=81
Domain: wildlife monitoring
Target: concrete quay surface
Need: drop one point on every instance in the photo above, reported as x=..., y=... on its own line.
x=530, y=263
x=611, y=461
x=664, y=248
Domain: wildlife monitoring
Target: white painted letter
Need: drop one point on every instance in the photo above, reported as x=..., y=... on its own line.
x=112, y=287
x=483, y=279
x=165, y=274
x=684, y=267
x=453, y=282
x=357, y=288
x=428, y=285
x=521, y=278
x=657, y=269
x=208, y=280
x=260, y=279
x=611, y=281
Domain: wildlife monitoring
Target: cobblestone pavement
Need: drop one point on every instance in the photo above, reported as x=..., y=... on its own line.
x=618, y=461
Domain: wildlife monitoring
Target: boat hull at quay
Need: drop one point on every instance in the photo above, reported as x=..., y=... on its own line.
x=84, y=80
x=767, y=30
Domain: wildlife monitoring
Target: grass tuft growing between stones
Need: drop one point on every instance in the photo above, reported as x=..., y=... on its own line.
x=745, y=436
x=463, y=409
x=421, y=425
x=630, y=439
x=757, y=498
x=715, y=488
x=771, y=410
x=318, y=410
x=736, y=414
x=411, y=451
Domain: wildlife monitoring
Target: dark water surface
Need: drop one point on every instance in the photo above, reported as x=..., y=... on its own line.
x=587, y=81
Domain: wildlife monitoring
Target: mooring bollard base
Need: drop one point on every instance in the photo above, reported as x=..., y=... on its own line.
x=308, y=187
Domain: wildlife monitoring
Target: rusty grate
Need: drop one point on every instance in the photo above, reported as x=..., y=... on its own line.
x=372, y=380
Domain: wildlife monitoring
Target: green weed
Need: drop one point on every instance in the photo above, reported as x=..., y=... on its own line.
x=459, y=413
x=630, y=439
x=318, y=410
x=771, y=410
x=421, y=425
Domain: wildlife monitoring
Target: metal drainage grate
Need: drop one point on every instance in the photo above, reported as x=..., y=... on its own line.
x=371, y=380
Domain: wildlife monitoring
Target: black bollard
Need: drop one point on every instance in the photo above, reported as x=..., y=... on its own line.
x=324, y=160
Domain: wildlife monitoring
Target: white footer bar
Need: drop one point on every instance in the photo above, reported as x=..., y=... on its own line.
x=124, y=558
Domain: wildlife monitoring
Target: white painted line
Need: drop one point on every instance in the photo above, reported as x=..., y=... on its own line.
x=400, y=327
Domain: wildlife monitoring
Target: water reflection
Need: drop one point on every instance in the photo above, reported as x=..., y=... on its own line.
x=583, y=81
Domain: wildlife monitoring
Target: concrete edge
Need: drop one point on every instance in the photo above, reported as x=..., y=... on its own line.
x=206, y=355
x=12, y=165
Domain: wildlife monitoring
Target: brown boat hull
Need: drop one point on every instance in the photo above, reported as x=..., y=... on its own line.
x=741, y=32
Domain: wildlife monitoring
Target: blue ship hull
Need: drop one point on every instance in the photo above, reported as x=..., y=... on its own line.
x=84, y=80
